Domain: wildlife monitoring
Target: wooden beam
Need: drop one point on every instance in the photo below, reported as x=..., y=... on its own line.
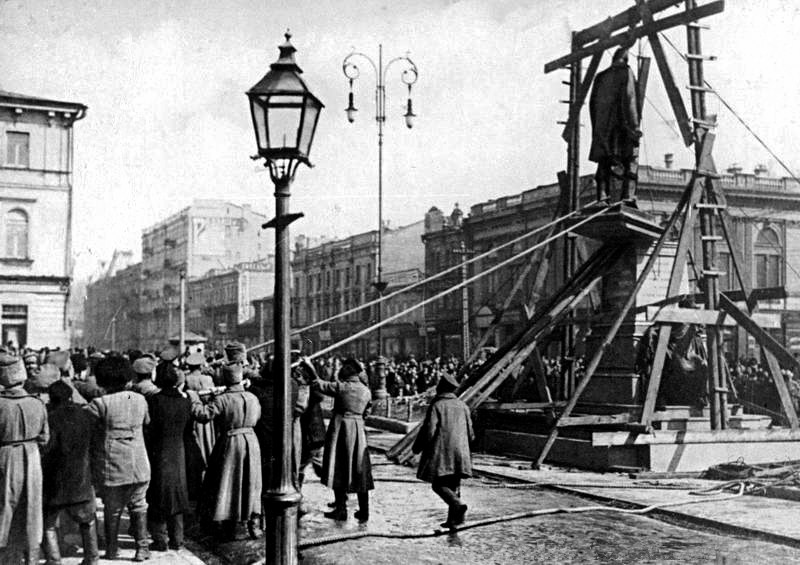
x=612, y=419
x=673, y=93
x=583, y=91
x=711, y=317
x=769, y=343
x=633, y=34
x=766, y=293
x=642, y=76
x=521, y=405
x=627, y=18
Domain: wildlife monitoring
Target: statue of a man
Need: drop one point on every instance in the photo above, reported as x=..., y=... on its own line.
x=614, y=113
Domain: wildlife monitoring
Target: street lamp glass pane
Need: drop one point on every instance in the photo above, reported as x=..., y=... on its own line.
x=259, y=122
x=309, y=125
x=284, y=125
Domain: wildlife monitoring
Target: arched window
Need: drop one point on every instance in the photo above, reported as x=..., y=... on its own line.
x=768, y=259
x=16, y=228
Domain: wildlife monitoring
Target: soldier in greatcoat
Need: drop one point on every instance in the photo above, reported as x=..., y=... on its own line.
x=614, y=114
x=167, y=496
x=346, y=465
x=232, y=485
x=68, y=486
x=443, y=442
x=120, y=468
x=23, y=429
x=199, y=448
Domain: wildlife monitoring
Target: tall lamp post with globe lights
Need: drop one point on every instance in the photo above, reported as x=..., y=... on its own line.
x=409, y=77
x=285, y=115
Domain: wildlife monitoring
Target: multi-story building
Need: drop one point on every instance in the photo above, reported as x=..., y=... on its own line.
x=765, y=229
x=336, y=276
x=209, y=234
x=36, y=137
x=111, y=308
x=221, y=301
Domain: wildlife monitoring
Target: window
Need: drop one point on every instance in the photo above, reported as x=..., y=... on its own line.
x=16, y=228
x=18, y=149
x=767, y=259
x=358, y=275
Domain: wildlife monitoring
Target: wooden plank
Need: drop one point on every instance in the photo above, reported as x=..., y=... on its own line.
x=612, y=332
x=611, y=419
x=769, y=343
x=521, y=405
x=583, y=91
x=692, y=195
x=673, y=94
x=669, y=437
x=633, y=34
x=624, y=19
x=642, y=76
x=766, y=293
x=712, y=317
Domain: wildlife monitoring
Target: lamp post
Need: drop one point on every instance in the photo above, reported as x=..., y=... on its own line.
x=409, y=77
x=285, y=115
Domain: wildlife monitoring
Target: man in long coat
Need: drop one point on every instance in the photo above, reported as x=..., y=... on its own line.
x=614, y=114
x=23, y=429
x=346, y=465
x=199, y=448
x=232, y=485
x=167, y=495
x=68, y=486
x=121, y=469
x=443, y=442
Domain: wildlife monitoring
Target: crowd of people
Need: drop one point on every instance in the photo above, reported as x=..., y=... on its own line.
x=169, y=436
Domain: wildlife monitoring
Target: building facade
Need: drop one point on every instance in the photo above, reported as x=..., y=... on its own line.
x=112, y=307
x=36, y=199
x=765, y=226
x=336, y=276
x=209, y=234
x=221, y=302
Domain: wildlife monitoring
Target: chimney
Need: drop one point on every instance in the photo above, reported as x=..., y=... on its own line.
x=734, y=169
x=761, y=169
x=668, y=159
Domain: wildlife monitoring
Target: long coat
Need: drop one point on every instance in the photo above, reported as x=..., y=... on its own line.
x=232, y=485
x=203, y=436
x=345, y=463
x=614, y=114
x=119, y=456
x=66, y=464
x=23, y=428
x=444, y=438
x=170, y=417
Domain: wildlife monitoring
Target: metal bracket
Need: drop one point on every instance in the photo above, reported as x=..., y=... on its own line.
x=284, y=221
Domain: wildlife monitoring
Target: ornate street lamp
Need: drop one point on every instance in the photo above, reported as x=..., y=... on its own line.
x=409, y=77
x=285, y=115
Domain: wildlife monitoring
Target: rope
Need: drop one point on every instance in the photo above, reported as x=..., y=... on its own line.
x=508, y=518
x=466, y=282
x=423, y=281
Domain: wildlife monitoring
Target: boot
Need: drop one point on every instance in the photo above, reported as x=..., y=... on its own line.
x=254, y=529
x=176, y=532
x=139, y=520
x=339, y=511
x=91, y=555
x=52, y=553
x=111, y=529
x=449, y=522
x=362, y=514
x=458, y=515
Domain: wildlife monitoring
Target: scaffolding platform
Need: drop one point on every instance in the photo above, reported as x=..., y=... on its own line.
x=625, y=223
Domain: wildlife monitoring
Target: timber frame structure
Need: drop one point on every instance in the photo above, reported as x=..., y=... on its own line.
x=702, y=200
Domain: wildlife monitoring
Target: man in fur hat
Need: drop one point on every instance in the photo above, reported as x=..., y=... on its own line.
x=23, y=429
x=143, y=368
x=443, y=441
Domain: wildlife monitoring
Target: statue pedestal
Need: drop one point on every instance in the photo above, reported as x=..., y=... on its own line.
x=615, y=381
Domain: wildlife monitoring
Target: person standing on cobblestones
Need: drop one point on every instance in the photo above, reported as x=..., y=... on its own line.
x=346, y=465
x=443, y=442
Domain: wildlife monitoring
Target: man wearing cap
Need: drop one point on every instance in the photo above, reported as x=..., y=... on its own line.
x=62, y=361
x=614, y=114
x=120, y=468
x=199, y=450
x=143, y=367
x=67, y=474
x=237, y=353
x=443, y=442
x=346, y=465
x=232, y=485
x=23, y=429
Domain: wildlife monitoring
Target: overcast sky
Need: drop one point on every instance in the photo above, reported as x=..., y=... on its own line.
x=168, y=120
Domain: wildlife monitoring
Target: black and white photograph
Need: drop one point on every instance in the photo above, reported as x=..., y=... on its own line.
x=446, y=282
